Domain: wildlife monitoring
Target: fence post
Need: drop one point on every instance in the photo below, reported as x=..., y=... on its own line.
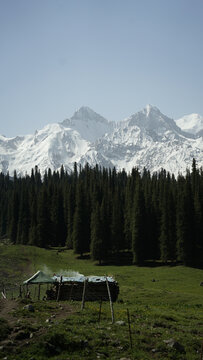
x=59, y=288
x=20, y=292
x=83, y=295
x=110, y=301
x=39, y=292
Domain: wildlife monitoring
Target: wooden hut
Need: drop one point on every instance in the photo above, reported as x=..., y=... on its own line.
x=95, y=289
x=72, y=288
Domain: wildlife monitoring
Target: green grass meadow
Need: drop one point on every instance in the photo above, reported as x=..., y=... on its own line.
x=164, y=303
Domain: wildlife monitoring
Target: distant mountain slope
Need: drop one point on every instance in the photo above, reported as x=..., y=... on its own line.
x=192, y=123
x=145, y=139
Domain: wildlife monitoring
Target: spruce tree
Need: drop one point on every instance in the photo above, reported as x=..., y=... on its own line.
x=24, y=217
x=43, y=220
x=14, y=217
x=70, y=215
x=105, y=221
x=117, y=230
x=127, y=215
x=138, y=225
x=79, y=242
x=185, y=222
x=33, y=236
x=167, y=230
x=57, y=218
x=97, y=248
x=198, y=233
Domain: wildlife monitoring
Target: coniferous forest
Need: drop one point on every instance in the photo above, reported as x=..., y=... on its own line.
x=105, y=212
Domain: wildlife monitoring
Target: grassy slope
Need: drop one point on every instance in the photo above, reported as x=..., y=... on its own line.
x=169, y=307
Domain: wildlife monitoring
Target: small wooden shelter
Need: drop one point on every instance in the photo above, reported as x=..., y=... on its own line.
x=72, y=288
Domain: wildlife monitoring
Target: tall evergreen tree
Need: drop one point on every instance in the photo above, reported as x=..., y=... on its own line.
x=117, y=230
x=24, y=218
x=43, y=220
x=138, y=225
x=127, y=215
x=97, y=248
x=80, y=245
x=14, y=217
x=33, y=235
x=185, y=223
x=70, y=215
x=57, y=218
x=167, y=230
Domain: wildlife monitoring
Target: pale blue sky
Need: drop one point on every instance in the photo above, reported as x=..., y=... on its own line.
x=114, y=56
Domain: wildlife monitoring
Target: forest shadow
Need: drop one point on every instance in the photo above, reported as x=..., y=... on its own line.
x=83, y=257
x=125, y=258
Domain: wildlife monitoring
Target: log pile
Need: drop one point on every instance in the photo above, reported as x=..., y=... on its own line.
x=74, y=290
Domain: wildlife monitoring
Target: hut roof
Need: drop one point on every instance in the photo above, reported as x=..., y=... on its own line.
x=81, y=278
x=39, y=278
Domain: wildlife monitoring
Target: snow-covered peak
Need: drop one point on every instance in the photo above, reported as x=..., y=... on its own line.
x=90, y=125
x=151, y=119
x=150, y=109
x=86, y=114
x=192, y=123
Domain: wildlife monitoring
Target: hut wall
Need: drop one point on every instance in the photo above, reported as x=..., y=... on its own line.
x=94, y=291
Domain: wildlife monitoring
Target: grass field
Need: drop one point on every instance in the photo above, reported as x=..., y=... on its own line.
x=165, y=304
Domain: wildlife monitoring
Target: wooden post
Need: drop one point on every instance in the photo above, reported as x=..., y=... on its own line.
x=83, y=295
x=3, y=295
x=201, y=355
x=35, y=291
x=3, y=291
x=100, y=307
x=39, y=292
x=59, y=289
x=20, y=292
x=71, y=291
x=129, y=329
x=110, y=301
x=23, y=291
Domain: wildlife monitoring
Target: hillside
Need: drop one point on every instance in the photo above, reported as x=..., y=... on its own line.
x=164, y=302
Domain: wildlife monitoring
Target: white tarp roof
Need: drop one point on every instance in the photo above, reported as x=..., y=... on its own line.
x=82, y=278
x=41, y=278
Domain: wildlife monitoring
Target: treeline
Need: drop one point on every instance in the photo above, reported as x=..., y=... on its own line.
x=105, y=212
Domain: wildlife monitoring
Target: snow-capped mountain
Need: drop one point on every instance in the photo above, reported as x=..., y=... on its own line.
x=90, y=125
x=146, y=139
x=54, y=145
x=192, y=123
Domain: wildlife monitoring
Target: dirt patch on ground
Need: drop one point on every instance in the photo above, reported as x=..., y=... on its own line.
x=28, y=326
x=55, y=310
x=7, y=307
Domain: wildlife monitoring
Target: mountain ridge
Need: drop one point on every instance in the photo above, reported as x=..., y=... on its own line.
x=147, y=139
